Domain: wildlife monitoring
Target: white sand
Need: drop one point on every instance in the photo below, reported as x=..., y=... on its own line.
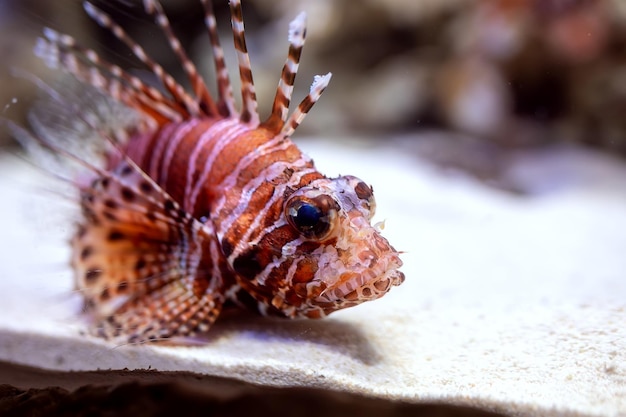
x=511, y=303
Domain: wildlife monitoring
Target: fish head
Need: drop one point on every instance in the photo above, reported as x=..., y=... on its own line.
x=326, y=253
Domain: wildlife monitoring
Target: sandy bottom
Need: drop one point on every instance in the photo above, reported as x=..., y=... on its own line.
x=513, y=303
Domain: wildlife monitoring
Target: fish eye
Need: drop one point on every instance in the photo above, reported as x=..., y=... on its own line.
x=313, y=218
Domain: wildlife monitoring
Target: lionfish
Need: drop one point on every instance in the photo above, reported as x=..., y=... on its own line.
x=201, y=204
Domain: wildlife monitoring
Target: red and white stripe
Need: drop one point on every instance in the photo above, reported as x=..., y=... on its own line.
x=192, y=208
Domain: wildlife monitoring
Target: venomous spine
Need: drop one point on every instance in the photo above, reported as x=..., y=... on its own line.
x=198, y=202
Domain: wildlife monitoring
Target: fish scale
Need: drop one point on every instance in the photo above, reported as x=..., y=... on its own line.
x=198, y=203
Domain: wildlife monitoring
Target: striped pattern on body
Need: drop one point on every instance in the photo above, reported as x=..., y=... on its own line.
x=201, y=203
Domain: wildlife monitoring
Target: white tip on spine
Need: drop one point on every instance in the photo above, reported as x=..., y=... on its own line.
x=51, y=34
x=320, y=82
x=88, y=7
x=297, y=28
x=94, y=13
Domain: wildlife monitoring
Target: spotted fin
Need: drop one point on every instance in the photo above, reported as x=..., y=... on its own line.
x=143, y=262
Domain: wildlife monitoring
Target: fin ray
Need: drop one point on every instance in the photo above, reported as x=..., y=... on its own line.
x=282, y=99
x=317, y=88
x=178, y=93
x=249, y=112
x=138, y=258
x=203, y=96
x=224, y=85
x=62, y=50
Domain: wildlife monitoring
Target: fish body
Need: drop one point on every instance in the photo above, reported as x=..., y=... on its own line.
x=201, y=203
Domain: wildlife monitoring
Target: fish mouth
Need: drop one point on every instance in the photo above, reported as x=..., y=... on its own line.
x=360, y=267
x=340, y=298
x=378, y=286
x=368, y=284
x=353, y=288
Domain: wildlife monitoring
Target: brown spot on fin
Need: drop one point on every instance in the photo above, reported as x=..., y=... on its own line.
x=143, y=263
